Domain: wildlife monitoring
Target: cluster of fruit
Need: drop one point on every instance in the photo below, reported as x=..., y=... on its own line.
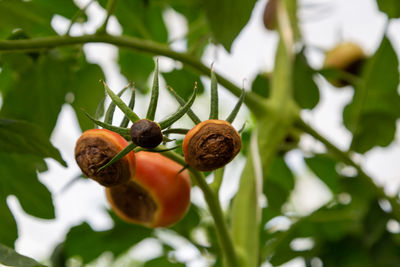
x=142, y=185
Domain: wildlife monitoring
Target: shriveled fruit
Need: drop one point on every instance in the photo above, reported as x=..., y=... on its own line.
x=95, y=148
x=211, y=144
x=158, y=195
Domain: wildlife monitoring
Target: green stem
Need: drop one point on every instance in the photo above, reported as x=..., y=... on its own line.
x=346, y=158
x=224, y=236
x=218, y=177
x=255, y=104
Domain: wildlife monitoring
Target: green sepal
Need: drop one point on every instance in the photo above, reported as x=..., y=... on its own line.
x=181, y=111
x=176, y=131
x=124, y=108
x=242, y=128
x=151, y=112
x=182, y=102
x=99, y=110
x=214, y=96
x=119, y=130
x=155, y=150
x=119, y=156
x=131, y=105
x=111, y=108
x=236, y=109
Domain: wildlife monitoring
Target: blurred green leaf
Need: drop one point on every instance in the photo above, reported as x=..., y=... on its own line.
x=372, y=114
x=227, y=18
x=19, y=177
x=162, y=261
x=26, y=138
x=38, y=89
x=88, y=92
x=335, y=229
x=136, y=68
x=390, y=7
x=89, y=244
x=325, y=169
x=261, y=84
x=246, y=212
x=66, y=8
x=182, y=81
x=305, y=90
x=142, y=19
x=278, y=184
x=188, y=223
x=10, y=257
x=8, y=229
x=26, y=15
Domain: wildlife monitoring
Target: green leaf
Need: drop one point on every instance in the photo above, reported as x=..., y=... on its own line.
x=8, y=229
x=372, y=114
x=38, y=90
x=162, y=261
x=89, y=244
x=227, y=18
x=390, y=7
x=246, y=212
x=278, y=183
x=66, y=8
x=305, y=90
x=136, y=68
x=9, y=257
x=19, y=177
x=182, y=81
x=88, y=92
x=26, y=138
x=141, y=19
x=325, y=169
x=26, y=15
x=261, y=84
x=191, y=220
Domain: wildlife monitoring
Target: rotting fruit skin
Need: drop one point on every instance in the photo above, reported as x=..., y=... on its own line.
x=211, y=144
x=158, y=195
x=348, y=57
x=95, y=147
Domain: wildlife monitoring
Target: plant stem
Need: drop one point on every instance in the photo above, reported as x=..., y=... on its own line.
x=255, y=103
x=346, y=158
x=224, y=236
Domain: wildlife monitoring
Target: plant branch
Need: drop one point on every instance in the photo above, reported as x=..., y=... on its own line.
x=211, y=197
x=255, y=104
x=346, y=158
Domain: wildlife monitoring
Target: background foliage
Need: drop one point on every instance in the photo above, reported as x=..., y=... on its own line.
x=350, y=230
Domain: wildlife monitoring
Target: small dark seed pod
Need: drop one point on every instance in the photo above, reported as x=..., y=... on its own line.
x=95, y=148
x=146, y=133
x=211, y=145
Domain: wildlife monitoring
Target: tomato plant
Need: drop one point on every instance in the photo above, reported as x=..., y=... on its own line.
x=231, y=191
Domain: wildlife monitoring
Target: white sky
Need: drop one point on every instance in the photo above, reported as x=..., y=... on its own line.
x=252, y=52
